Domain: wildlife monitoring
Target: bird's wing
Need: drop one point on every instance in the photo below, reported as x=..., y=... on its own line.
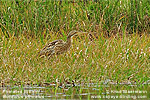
x=49, y=48
x=52, y=44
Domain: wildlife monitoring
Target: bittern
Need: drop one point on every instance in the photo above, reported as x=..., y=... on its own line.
x=58, y=46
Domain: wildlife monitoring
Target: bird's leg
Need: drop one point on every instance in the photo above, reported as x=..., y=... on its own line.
x=49, y=57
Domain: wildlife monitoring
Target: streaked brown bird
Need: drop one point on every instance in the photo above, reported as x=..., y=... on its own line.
x=58, y=46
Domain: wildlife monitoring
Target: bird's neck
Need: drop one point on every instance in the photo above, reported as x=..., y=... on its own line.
x=68, y=42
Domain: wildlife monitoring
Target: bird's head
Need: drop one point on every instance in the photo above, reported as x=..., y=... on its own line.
x=74, y=32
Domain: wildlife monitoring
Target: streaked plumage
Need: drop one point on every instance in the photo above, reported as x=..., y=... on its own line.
x=58, y=46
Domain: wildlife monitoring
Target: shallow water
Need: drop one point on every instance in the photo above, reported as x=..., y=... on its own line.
x=86, y=91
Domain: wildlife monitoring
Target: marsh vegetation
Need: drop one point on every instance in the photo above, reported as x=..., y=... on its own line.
x=116, y=50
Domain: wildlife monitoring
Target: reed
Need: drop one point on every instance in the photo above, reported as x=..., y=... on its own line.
x=27, y=25
x=37, y=17
x=118, y=59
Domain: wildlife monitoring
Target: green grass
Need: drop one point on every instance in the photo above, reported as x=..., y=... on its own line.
x=36, y=18
x=117, y=59
x=26, y=26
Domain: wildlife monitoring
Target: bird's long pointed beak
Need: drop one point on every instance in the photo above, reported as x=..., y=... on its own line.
x=82, y=32
x=78, y=32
